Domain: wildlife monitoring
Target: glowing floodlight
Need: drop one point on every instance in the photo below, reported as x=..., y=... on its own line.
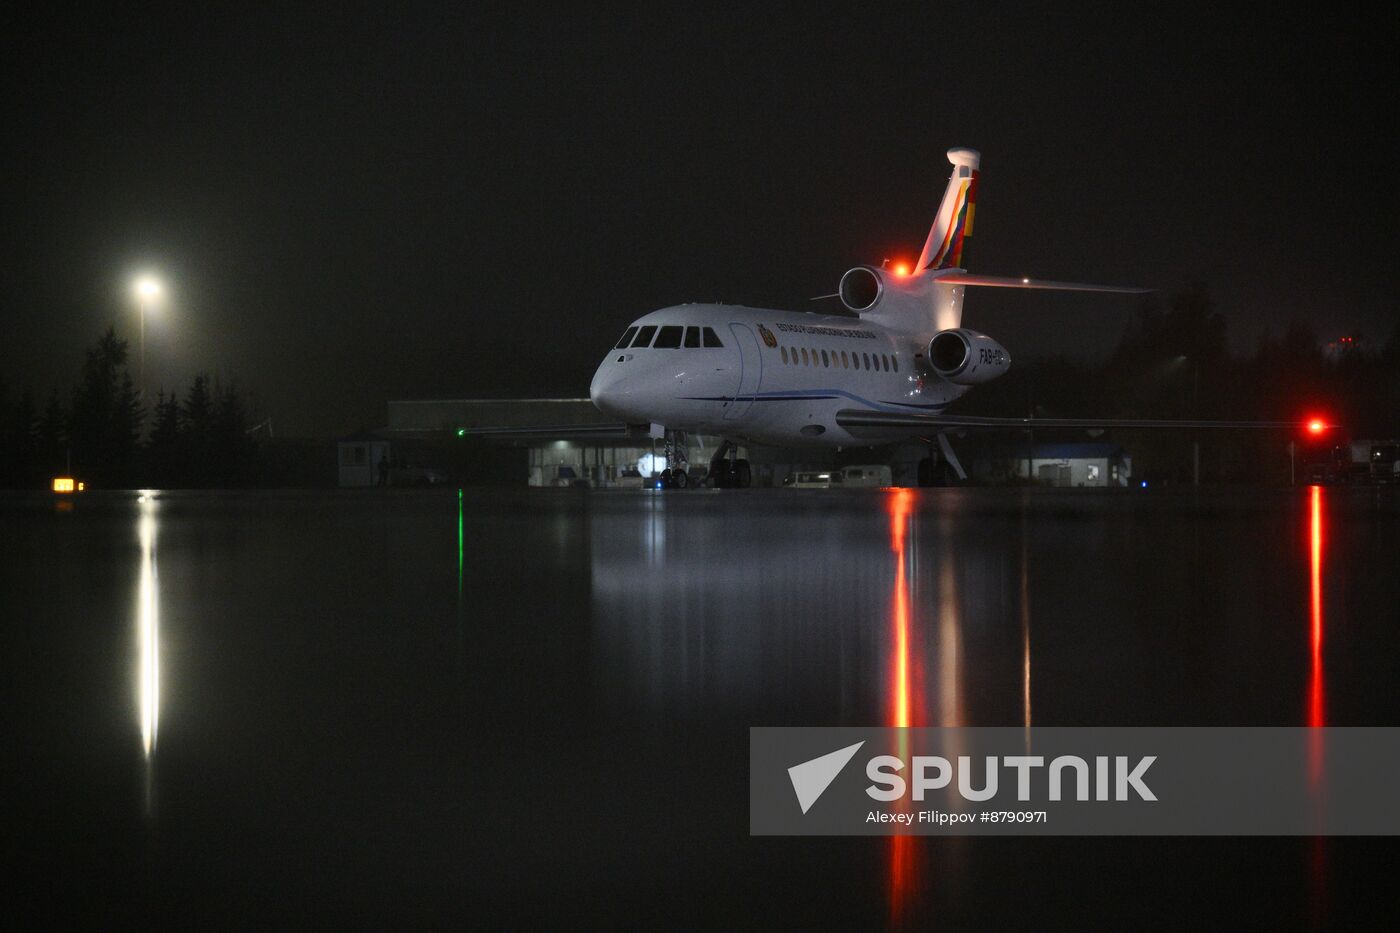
x=147, y=288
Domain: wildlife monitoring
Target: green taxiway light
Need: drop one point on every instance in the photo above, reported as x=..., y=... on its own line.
x=461, y=432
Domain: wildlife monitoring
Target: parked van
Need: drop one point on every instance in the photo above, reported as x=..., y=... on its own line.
x=872, y=475
x=814, y=480
x=839, y=477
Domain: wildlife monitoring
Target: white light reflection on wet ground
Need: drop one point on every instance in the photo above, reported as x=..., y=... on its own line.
x=148, y=636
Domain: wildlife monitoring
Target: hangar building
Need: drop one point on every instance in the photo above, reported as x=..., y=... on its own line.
x=421, y=439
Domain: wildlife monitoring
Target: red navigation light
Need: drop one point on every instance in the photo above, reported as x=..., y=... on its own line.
x=901, y=268
x=1316, y=426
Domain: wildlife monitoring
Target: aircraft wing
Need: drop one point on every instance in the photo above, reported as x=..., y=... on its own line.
x=861, y=418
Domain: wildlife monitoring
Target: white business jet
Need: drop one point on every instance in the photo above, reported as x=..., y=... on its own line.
x=883, y=373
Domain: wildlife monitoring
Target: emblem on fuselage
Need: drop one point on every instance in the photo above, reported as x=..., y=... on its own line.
x=768, y=337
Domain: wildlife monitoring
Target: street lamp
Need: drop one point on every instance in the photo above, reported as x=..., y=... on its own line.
x=1195, y=414
x=147, y=290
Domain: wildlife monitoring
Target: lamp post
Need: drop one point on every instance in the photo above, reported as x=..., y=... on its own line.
x=147, y=290
x=1195, y=414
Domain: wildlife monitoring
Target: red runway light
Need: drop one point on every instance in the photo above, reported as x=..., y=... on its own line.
x=1316, y=426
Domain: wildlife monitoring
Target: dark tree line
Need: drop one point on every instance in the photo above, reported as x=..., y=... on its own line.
x=96, y=433
x=1174, y=363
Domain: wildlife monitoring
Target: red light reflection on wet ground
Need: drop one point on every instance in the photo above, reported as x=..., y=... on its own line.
x=906, y=852
x=1316, y=716
x=1316, y=713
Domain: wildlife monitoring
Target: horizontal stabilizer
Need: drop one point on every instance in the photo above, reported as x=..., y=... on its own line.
x=1005, y=281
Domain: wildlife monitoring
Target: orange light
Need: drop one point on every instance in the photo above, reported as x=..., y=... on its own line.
x=1317, y=426
x=63, y=484
x=901, y=268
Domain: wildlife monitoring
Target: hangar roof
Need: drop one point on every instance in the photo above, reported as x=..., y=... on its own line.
x=449, y=414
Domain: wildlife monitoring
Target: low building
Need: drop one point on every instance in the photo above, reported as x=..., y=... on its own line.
x=592, y=455
x=359, y=456
x=1066, y=464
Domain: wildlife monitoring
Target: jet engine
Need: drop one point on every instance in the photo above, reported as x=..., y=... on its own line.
x=861, y=288
x=965, y=357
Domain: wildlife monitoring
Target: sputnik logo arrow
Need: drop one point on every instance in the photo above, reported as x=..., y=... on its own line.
x=811, y=778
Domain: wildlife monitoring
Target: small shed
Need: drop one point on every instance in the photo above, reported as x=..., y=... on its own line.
x=1088, y=463
x=1070, y=464
x=359, y=456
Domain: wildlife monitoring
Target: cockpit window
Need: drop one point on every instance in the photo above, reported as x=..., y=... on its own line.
x=669, y=338
x=711, y=338
x=692, y=337
x=626, y=340
x=644, y=336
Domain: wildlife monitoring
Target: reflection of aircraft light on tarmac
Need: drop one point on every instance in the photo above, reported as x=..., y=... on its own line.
x=906, y=852
x=694, y=619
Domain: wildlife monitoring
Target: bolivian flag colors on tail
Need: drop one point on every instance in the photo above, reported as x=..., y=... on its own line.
x=953, y=226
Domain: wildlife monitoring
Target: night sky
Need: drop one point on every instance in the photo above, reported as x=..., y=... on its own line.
x=402, y=203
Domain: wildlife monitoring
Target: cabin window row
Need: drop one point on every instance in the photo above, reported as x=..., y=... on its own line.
x=669, y=337
x=878, y=362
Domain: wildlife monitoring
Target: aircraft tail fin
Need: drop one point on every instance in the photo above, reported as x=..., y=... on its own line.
x=952, y=228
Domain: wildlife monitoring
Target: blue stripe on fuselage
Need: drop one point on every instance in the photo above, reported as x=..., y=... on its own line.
x=804, y=395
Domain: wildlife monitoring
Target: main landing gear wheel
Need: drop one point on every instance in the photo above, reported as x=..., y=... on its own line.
x=679, y=479
x=926, y=472
x=742, y=475
x=727, y=472
x=733, y=475
x=940, y=473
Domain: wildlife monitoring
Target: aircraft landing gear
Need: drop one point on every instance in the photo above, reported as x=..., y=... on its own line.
x=938, y=473
x=728, y=471
x=675, y=451
x=944, y=470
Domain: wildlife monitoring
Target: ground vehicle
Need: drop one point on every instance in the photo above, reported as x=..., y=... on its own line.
x=824, y=479
x=1359, y=462
x=874, y=475
x=404, y=473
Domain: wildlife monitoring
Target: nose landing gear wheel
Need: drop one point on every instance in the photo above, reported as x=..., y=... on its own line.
x=679, y=479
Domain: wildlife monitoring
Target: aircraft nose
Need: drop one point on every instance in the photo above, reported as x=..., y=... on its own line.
x=608, y=390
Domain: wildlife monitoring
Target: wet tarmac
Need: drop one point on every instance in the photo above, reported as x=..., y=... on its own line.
x=531, y=706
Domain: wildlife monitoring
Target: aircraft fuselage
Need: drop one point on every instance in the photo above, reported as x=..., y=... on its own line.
x=779, y=378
